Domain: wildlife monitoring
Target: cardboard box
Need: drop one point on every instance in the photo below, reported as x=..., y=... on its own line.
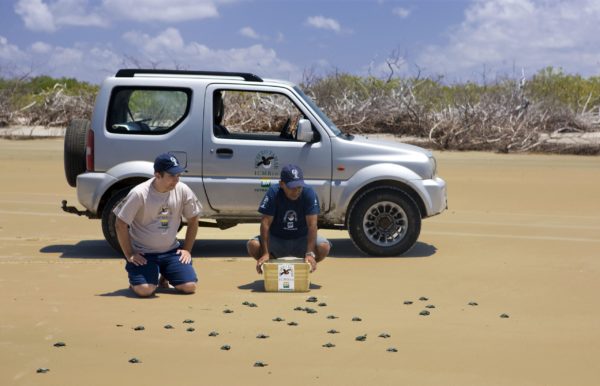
x=286, y=275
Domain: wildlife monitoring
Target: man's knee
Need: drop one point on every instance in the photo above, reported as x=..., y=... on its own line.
x=186, y=288
x=322, y=250
x=253, y=247
x=144, y=290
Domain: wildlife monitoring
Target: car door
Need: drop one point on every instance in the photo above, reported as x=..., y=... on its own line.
x=244, y=153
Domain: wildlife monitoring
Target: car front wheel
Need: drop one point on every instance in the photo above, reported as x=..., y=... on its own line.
x=384, y=222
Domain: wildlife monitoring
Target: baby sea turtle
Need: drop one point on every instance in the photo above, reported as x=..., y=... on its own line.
x=361, y=338
x=356, y=319
x=119, y=325
x=227, y=311
x=42, y=370
x=408, y=302
x=139, y=328
x=299, y=308
x=169, y=327
x=333, y=331
x=278, y=319
x=213, y=333
x=392, y=349
x=384, y=335
x=135, y=360
x=424, y=313
x=312, y=299
x=60, y=344
x=331, y=317
x=260, y=364
x=191, y=329
x=292, y=324
x=423, y=299
x=226, y=347
x=245, y=303
x=504, y=316
x=252, y=305
x=473, y=304
x=329, y=345
x=262, y=336
x=188, y=321
x=322, y=304
x=310, y=310
x=430, y=306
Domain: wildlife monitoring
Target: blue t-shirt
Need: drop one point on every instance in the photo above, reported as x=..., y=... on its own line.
x=289, y=217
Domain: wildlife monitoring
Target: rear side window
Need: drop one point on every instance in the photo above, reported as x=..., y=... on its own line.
x=147, y=111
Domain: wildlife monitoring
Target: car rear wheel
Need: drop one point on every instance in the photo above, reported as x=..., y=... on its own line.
x=384, y=222
x=109, y=219
x=74, y=152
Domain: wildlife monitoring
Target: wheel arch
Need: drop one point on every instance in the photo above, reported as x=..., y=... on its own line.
x=382, y=184
x=122, y=184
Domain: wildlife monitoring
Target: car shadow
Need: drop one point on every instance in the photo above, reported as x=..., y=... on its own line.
x=100, y=249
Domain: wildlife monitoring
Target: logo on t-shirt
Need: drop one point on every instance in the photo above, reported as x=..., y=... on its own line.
x=163, y=218
x=290, y=220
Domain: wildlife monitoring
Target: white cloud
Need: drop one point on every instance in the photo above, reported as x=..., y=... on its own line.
x=36, y=15
x=41, y=48
x=161, y=10
x=9, y=51
x=533, y=34
x=249, y=33
x=401, y=12
x=321, y=22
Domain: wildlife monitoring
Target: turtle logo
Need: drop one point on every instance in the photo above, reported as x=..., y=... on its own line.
x=266, y=159
x=285, y=271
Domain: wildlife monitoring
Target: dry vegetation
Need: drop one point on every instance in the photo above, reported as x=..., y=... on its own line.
x=509, y=115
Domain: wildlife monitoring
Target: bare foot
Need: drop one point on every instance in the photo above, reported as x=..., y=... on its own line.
x=163, y=283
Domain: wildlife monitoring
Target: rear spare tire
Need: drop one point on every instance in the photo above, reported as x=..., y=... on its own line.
x=74, y=152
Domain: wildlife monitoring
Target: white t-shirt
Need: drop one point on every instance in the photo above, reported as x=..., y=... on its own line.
x=154, y=217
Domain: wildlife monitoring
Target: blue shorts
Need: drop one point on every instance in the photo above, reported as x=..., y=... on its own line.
x=279, y=247
x=167, y=264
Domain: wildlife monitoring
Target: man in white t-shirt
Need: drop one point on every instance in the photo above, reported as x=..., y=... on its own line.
x=147, y=224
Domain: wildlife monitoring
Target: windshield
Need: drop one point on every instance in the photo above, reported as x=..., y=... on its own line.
x=320, y=113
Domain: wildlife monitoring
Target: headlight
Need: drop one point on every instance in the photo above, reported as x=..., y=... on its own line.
x=433, y=164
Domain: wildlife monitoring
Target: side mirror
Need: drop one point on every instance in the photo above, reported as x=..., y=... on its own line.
x=305, y=131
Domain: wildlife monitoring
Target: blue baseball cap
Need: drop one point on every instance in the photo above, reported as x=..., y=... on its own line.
x=167, y=162
x=292, y=176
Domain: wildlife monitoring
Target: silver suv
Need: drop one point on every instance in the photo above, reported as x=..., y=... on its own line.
x=234, y=132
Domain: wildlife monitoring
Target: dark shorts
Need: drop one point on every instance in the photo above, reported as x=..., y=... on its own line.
x=167, y=264
x=279, y=247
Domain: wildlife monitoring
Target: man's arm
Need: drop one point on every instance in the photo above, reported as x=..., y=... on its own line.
x=125, y=243
x=265, y=226
x=311, y=243
x=190, y=238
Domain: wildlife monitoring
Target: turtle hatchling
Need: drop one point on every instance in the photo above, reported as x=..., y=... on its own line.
x=333, y=331
x=408, y=302
x=299, y=308
x=312, y=299
x=392, y=349
x=473, y=304
x=384, y=335
x=260, y=364
x=227, y=311
x=139, y=328
x=329, y=345
x=135, y=360
x=262, y=336
x=42, y=370
x=292, y=324
x=310, y=310
x=188, y=321
x=424, y=313
x=278, y=319
x=191, y=329
x=356, y=319
x=504, y=316
x=226, y=347
x=60, y=344
x=430, y=306
x=169, y=327
x=423, y=299
x=213, y=333
x=361, y=338
x=322, y=304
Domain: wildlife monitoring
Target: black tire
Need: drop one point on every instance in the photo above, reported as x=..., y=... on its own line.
x=384, y=222
x=74, y=152
x=109, y=219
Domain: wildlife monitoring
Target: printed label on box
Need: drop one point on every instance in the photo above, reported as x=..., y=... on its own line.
x=285, y=279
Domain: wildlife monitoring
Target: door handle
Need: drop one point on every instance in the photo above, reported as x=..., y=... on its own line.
x=225, y=152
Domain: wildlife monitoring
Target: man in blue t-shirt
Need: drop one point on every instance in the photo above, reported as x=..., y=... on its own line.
x=289, y=222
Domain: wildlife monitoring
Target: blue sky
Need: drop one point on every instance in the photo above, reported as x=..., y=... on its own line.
x=457, y=39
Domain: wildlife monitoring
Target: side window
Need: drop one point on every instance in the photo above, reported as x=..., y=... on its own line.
x=147, y=111
x=254, y=115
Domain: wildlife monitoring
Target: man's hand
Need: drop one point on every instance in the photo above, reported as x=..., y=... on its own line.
x=309, y=258
x=263, y=259
x=184, y=256
x=136, y=259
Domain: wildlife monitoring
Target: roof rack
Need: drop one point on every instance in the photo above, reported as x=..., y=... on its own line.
x=131, y=72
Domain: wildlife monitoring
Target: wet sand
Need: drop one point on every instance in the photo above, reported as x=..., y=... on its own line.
x=521, y=238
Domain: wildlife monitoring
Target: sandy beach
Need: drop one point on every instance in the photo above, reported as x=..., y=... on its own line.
x=521, y=238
